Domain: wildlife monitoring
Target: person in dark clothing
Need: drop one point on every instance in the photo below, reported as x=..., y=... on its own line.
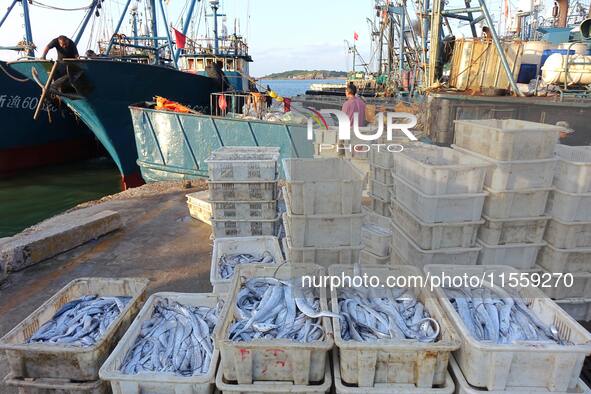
x=214, y=70
x=269, y=99
x=66, y=48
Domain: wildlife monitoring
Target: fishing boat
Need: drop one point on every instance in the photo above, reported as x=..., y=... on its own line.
x=136, y=68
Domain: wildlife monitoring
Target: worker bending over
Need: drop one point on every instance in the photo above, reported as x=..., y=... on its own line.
x=66, y=48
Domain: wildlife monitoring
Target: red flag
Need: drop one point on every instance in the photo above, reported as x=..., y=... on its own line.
x=355, y=36
x=180, y=39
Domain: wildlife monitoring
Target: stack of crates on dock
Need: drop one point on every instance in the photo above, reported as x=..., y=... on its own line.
x=568, y=236
x=518, y=183
x=376, y=236
x=381, y=183
x=243, y=191
x=436, y=206
x=323, y=215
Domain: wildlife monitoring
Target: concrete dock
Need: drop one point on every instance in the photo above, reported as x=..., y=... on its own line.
x=158, y=240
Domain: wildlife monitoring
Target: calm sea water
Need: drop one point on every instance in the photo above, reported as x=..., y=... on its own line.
x=293, y=87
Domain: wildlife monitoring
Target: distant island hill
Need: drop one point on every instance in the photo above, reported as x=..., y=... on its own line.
x=307, y=74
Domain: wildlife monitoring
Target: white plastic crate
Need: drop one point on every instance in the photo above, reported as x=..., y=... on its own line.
x=515, y=203
x=375, y=218
x=326, y=136
x=39, y=360
x=244, y=210
x=244, y=228
x=243, y=163
x=379, y=206
x=570, y=207
x=578, y=308
x=56, y=386
x=573, y=171
x=566, y=235
x=368, y=258
x=242, y=191
x=342, y=388
x=402, y=361
x=565, y=260
x=411, y=254
x=442, y=208
x=199, y=206
x=324, y=229
x=380, y=174
x=323, y=186
x=251, y=245
x=513, y=175
x=507, y=139
x=380, y=190
x=381, y=157
x=325, y=151
x=463, y=387
x=521, y=256
x=434, y=235
x=272, y=359
x=512, y=231
x=225, y=387
x=524, y=364
x=376, y=239
x=158, y=382
x=580, y=287
x=437, y=170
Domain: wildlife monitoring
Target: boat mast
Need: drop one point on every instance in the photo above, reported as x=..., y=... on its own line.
x=167, y=32
x=8, y=12
x=118, y=27
x=154, y=29
x=89, y=14
x=28, y=33
x=215, y=6
x=188, y=18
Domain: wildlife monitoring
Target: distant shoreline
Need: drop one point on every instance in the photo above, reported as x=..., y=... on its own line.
x=307, y=75
x=302, y=79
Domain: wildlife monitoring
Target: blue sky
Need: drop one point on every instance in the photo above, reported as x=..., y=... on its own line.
x=282, y=35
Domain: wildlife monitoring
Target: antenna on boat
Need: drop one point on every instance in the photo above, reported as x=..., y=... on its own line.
x=215, y=5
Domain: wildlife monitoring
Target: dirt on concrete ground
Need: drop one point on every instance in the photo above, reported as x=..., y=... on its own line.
x=158, y=241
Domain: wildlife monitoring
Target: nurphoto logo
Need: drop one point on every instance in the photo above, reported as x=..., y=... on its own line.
x=396, y=124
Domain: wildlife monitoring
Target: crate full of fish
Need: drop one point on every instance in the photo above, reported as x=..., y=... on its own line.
x=390, y=335
x=72, y=333
x=242, y=190
x=229, y=253
x=273, y=329
x=244, y=228
x=511, y=336
x=243, y=163
x=169, y=347
x=244, y=210
x=323, y=186
x=573, y=171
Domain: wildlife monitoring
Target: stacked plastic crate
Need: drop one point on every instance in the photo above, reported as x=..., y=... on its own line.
x=376, y=236
x=323, y=215
x=381, y=183
x=243, y=191
x=436, y=206
x=518, y=182
x=569, y=230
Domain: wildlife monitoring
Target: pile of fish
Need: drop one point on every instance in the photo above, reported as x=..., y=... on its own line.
x=228, y=263
x=492, y=314
x=266, y=308
x=398, y=314
x=81, y=322
x=177, y=339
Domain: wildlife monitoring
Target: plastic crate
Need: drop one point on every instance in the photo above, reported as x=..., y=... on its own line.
x=375, y=218
x=437, y=170
x=199, y=206
x=434, y=235
x=512, y=231
x=37, y=360
x=443, y=208
x=402, y=361
x=223, y=228
x=380, y=190
x=463, y=387
x=244, y=210
x=580, y=288
x=578, y=308
x=326, y=136
x=379, y=206
x=368, y=258
x=515, y=203
x=524, y=364
x=381, y=157
x=251, y=245
x=56, y=386
x=242, y=191
x=380, y=174
x=158, y=382
x=411, y=254
x=324, y=229
x=566, y=235
x=272, y=359
x=323, y=186
x=243, y=163
x=376, y=239
x=565, y=260
x=573, y=171
x=570, y=207
x=513, y=175
x=521, y=256
x=324, y=386
x=507, y=139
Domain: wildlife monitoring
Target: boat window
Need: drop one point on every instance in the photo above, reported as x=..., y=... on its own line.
x=208, y=61
x=191, y=64
x=229, y=64
x=200, y=66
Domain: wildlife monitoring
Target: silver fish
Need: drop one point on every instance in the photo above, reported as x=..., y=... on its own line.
x=228, y=262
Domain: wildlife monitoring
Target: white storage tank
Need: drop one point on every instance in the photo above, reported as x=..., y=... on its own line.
x=579, y=69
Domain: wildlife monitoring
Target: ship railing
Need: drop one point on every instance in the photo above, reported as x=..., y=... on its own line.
x=237, y=103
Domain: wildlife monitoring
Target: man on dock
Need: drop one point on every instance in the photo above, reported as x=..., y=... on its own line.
x=353, y=105
x=66, y=48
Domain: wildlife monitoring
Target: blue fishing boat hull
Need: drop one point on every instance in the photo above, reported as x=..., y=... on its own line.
x=174, y=146
x=99, y=91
